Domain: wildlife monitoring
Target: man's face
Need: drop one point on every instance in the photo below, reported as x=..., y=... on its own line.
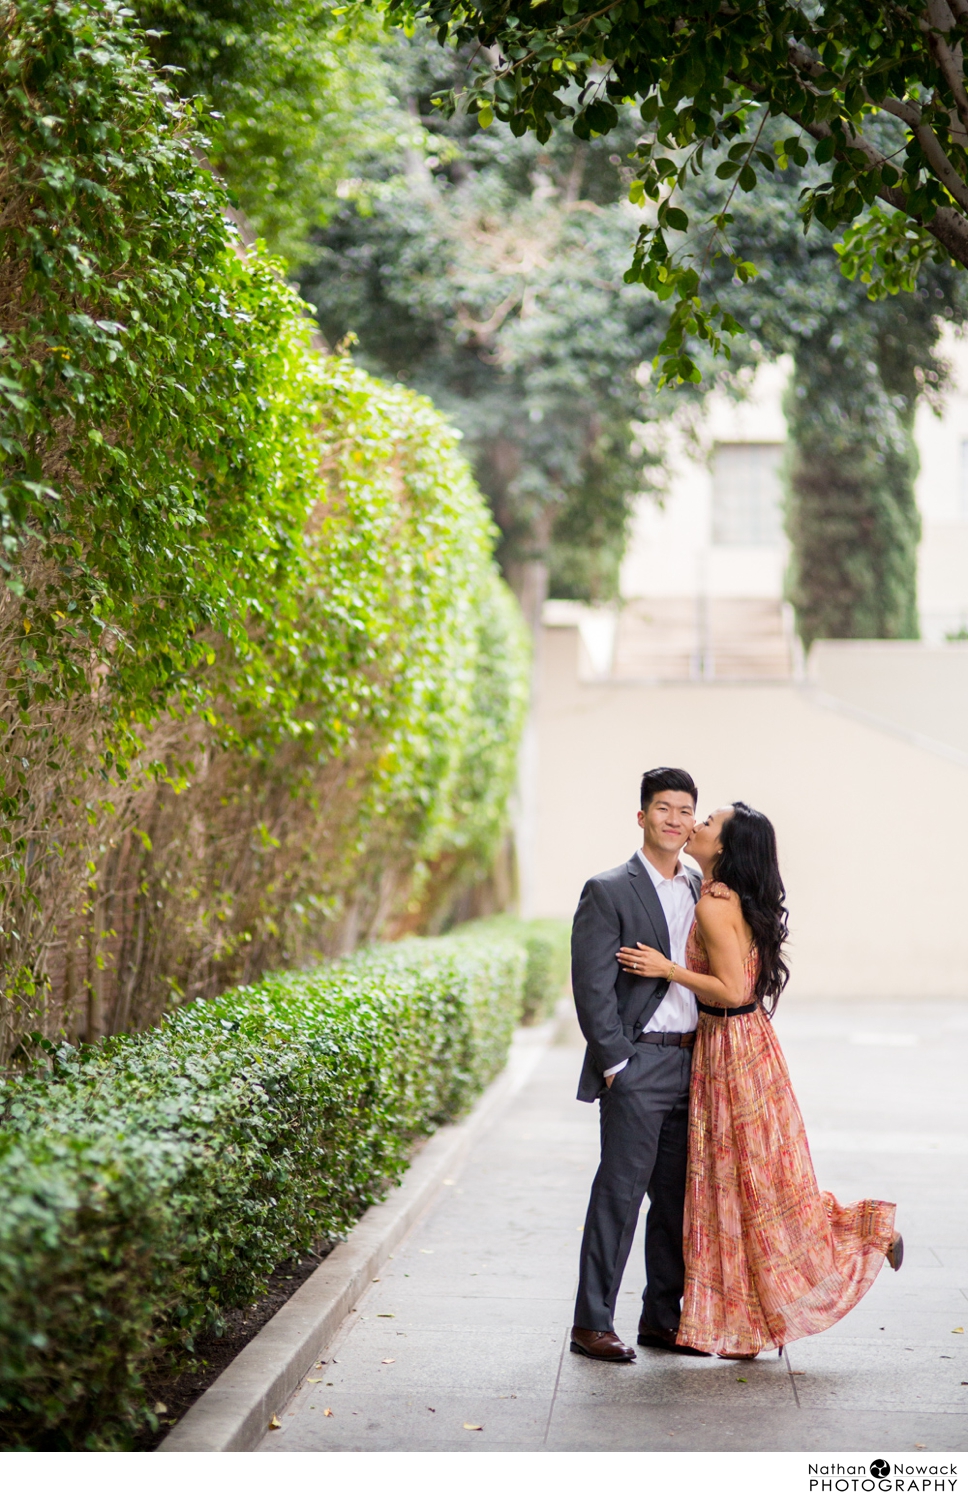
x=667, y=821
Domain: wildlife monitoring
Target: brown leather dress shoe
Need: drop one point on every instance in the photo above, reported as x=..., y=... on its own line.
x=600, y=1345
x=665, y=1338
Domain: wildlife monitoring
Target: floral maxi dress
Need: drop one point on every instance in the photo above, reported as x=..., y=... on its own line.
x=769, y=1258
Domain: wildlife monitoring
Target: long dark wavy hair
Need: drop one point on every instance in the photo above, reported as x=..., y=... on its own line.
x=749, y=866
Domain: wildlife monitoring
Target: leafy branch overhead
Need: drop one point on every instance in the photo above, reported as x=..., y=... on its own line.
x=876, y=93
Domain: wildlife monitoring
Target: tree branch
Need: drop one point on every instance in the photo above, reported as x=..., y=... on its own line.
x=910, y=114
x=948, y=226
x=949, y=65
x=941, y=165
x=900, y=108
x=951, y=231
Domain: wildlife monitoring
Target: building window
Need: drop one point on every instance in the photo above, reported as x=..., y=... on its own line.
x=747, y=501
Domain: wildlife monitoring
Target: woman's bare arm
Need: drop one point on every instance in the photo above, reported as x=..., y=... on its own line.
x=723, y=933
x=727, y=945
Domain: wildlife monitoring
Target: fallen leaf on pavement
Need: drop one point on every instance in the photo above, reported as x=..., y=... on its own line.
x=386, y=1315
x=159, y=1408
x=328, y=1412
x=433, y=1408
x=274, y=1422
x=317, y=1381
x=742, y=1380
x=473, y=1426
x=387, y=1361
x=957, y=1330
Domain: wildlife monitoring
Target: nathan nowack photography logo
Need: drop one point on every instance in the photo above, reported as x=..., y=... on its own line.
x=880, y=1476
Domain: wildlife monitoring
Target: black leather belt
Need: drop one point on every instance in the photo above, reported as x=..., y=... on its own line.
x=727, y=1010
x=669, y=1038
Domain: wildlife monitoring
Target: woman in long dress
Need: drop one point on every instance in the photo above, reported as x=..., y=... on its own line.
x=769, y=1257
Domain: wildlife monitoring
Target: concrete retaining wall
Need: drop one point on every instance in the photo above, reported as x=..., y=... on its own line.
x=872, y=826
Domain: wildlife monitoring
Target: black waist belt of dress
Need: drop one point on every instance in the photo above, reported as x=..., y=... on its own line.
x=727, y=1010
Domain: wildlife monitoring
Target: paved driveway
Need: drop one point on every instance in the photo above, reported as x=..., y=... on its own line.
x=462, y=1343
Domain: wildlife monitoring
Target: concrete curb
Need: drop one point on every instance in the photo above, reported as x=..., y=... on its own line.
x=234, y=1413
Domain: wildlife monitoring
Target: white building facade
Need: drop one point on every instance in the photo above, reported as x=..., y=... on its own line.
x=702, y=582
x=942, y=492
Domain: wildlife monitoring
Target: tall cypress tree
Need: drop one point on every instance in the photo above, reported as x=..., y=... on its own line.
x=852, y=517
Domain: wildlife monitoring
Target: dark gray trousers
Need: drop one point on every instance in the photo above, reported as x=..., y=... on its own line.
x=645, y=1129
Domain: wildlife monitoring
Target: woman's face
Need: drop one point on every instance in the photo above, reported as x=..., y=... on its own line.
x=705, y=843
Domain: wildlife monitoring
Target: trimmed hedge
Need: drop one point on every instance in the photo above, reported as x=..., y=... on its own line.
x=149, y=1183
x=547, y=942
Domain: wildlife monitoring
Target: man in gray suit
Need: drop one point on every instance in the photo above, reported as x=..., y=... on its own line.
x=640, y=1034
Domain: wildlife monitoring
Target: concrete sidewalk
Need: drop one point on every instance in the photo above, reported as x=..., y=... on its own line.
x=462, y=1343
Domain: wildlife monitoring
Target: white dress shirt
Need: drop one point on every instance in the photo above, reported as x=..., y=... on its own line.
x=677, y=1008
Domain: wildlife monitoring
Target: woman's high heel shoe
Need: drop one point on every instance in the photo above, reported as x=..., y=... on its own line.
x=779, y=1353
x=895, y=1253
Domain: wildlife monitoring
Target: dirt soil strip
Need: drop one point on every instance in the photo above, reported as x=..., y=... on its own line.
x=172, y=1391
x=232, y=1415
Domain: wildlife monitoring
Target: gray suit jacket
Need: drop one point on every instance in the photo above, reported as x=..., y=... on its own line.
x=617, y=909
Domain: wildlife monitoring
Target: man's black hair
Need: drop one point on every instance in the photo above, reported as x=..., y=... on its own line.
x=666, y=779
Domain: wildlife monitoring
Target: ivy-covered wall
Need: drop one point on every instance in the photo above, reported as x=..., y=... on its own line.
x=260, y=684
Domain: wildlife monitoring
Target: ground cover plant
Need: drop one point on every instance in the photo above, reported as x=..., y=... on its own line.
x=260, y=683
x=153, y=1181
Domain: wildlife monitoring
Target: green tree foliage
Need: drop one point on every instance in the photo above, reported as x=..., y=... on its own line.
x=875, y=92
x=488, y=272
x=152, y=1183
x=261, y=683
x=398, y=271
x=860, y=367
x=296, y=88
